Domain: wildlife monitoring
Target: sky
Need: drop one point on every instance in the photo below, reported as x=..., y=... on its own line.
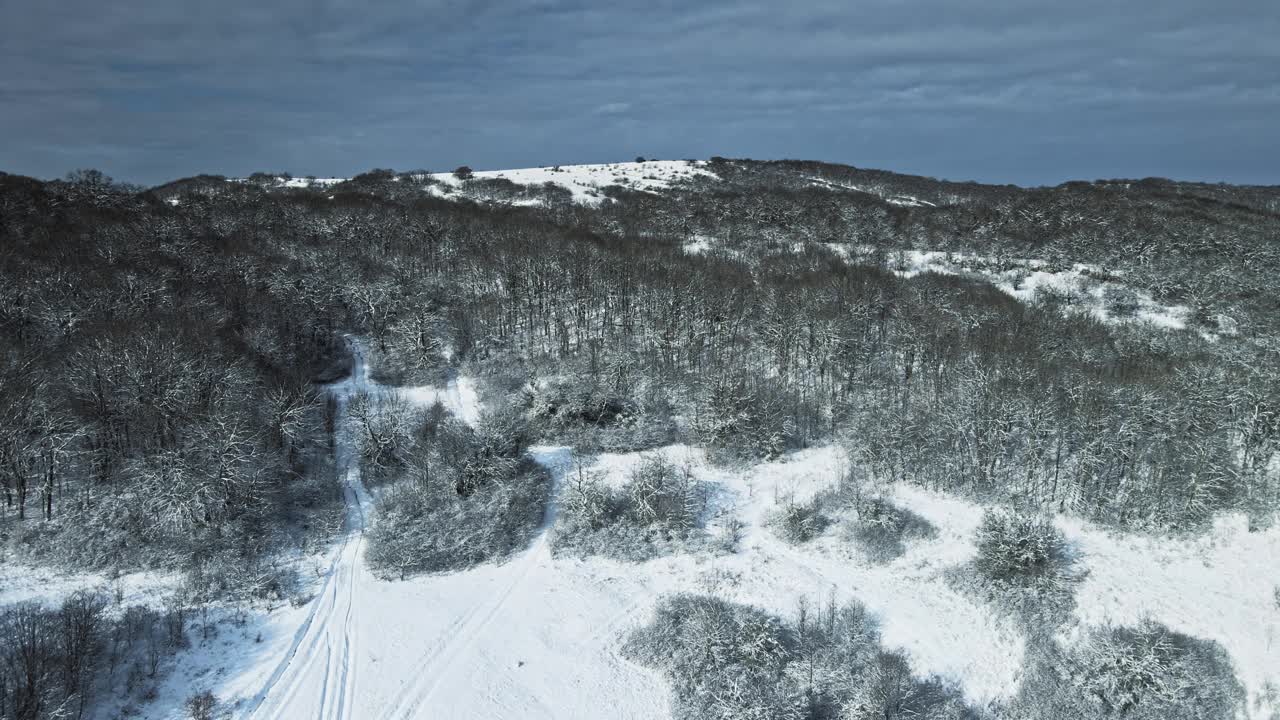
x=1003, y=91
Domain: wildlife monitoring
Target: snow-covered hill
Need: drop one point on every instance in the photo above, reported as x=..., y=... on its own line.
x=586, y=182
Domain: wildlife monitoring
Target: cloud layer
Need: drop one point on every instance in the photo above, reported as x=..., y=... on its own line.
x=995, y=90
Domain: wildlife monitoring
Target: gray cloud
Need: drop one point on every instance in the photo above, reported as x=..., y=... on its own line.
x=1002, y=90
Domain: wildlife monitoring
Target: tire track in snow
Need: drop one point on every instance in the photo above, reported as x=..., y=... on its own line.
x=300, y=677
x=439, y=664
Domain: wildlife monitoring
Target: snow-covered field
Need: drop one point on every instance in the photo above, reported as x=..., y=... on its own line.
x=539, y=636
x=586, y=181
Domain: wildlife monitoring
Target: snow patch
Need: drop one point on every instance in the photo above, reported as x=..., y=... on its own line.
x=891, y=198
x=1220, y=586
x=1081, y=287
x=586, y=182
x=698, y=244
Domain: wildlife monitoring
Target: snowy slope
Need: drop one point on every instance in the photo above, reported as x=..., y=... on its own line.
x=1031, y=279
x=586, y=181
x=1081, y=287
x=892, y=199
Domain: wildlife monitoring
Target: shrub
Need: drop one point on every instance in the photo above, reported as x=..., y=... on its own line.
x=723, y=660
x=587, y=502
x=881, y=528
x=201, y=705
x=659, y=493
x=726, y=660
x=432, y=528
x=799, y=522
x=1022, y=566
x=656, y=511
x=463, y=173
x=1019, y=550
x=609, y=415
x=1141, y=673
x=477, y=498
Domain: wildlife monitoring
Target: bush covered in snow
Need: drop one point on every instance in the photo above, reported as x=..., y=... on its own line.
x=475, y=497
x=1023, y=567
x=607, y=411
x=799, y=522
x=1147, y=672
x=656, y=511
x=881, y=528
x=875, y=524
x=727, y=661
x=1019, y=550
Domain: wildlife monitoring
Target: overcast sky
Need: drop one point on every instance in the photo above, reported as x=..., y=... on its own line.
x=992, y=90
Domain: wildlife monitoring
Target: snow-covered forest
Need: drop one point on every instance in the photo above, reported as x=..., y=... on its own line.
x=689, y=439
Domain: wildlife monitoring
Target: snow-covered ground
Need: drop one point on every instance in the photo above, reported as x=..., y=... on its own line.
x=312, y=182
x=458, y=395
x=1081, y=287
x=584, y=182
x=538, y=636
x=1222, y=586
x=587, y=181
x=891, y=198
x=319, y=672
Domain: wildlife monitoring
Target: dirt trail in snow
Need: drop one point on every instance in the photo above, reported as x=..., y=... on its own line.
x=318, y=676
x=526, y=638
x=438, y=667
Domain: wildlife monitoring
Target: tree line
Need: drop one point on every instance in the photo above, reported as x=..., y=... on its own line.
x=164, y=348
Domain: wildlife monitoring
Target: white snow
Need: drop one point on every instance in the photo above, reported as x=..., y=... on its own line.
x=893, y=199
x=1221, y=586
x=1081, y=285
x=586, y=181
x=698, y=244
x=458, y=396
x=23, y=583
x=539, y=636
x=310, y=182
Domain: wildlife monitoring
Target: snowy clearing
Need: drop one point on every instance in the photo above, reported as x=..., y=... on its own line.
x=1080, y=288
x=538, y=636
x=587, y=181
